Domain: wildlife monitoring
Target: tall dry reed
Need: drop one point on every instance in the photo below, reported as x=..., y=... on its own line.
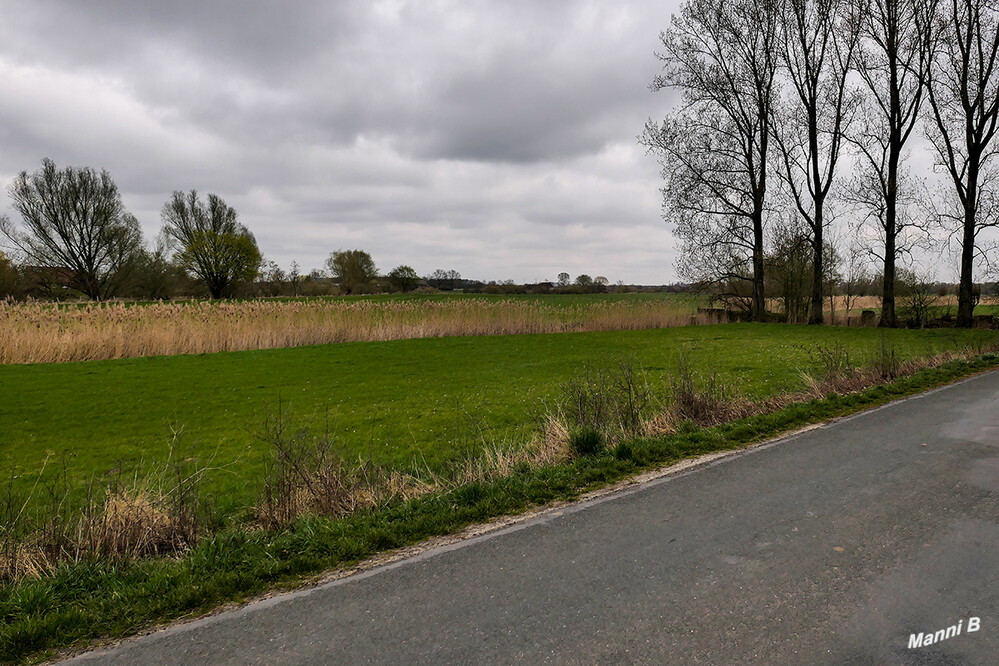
x=46, y=333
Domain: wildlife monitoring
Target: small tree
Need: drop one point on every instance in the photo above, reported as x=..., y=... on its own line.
x=917, y=295
x=214, y=247
x=403, y=278
x=272, y=278
x=437, y=278
x=563, y=279
x=74, y=220
x=353, y=270
x=295, y=278
x=789, y=270
x=11, y=279
x=857, y=279
x=155, y=276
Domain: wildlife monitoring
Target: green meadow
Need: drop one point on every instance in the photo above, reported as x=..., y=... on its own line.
x=415, y=405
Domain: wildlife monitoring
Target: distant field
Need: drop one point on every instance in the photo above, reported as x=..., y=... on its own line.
x=416, y=403
x=46, y=333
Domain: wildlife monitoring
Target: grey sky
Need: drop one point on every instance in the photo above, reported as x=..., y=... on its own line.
x=495, y=138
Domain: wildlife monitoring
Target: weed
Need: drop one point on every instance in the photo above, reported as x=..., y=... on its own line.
x=607, y=401
x=698, y=398
x=586, y=441
x=885, y=360
x=308, y=475
x=834, y=360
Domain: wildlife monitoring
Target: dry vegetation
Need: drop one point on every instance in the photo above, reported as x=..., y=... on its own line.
x=45, y=333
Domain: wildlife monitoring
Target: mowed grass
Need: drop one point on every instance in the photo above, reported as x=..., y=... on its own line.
x=414, y=405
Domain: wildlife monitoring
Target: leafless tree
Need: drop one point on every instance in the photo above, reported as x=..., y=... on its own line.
x=892, y=61
x=856, y=276
x=75, y=221
x=963, y=91
x=889, y=241
x=714, y=149
x=818, y=47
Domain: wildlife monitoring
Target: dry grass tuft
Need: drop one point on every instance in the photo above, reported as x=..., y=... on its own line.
x=118, y=519
x=309, y=476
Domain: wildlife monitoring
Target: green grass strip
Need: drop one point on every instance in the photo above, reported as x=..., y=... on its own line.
x=90, y=601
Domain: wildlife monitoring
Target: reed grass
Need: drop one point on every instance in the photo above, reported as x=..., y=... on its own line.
x=47, y=333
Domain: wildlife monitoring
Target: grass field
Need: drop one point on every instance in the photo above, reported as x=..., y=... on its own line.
x=416, y=404
x=95, y=599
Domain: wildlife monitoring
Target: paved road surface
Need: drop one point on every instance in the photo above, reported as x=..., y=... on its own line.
x=832, y=546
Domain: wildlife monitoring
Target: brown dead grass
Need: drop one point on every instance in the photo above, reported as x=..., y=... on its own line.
x=45, y=333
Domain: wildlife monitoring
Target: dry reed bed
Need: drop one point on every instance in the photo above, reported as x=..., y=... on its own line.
x=45, y=333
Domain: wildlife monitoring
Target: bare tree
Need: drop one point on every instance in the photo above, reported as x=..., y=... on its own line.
x=963, y=91
x=819, y=44
x=214, y=246
x=856, y=277
x=715, y=147
x=892, y=61
x=74, y=220
x=892, y=232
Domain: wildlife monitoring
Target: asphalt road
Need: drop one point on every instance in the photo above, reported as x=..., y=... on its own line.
x=830, y=546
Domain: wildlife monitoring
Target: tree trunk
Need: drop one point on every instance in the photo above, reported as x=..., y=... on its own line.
x=965, y=291
x=815, y=317
x=888, y=319
x=759, y=298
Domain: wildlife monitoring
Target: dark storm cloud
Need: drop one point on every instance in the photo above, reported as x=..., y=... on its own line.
x=426, y=132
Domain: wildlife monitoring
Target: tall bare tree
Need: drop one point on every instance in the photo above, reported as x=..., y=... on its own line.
x=899, y=228
x=963, y=91
x=892, y=61
x=818, y=47
x=721, y=56
x=74, y=220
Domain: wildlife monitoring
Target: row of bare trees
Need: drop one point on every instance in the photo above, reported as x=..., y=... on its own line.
x=776, y=96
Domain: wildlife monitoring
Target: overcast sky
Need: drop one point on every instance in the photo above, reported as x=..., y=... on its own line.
x=494, y=138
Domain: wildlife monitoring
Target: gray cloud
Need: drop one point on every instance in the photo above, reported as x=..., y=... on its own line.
x=495, y=138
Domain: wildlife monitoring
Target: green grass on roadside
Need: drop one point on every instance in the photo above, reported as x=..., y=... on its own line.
x=93, y=600
x=407, y=404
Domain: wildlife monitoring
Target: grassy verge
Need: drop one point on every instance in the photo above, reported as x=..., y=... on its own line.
x=91, y=600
